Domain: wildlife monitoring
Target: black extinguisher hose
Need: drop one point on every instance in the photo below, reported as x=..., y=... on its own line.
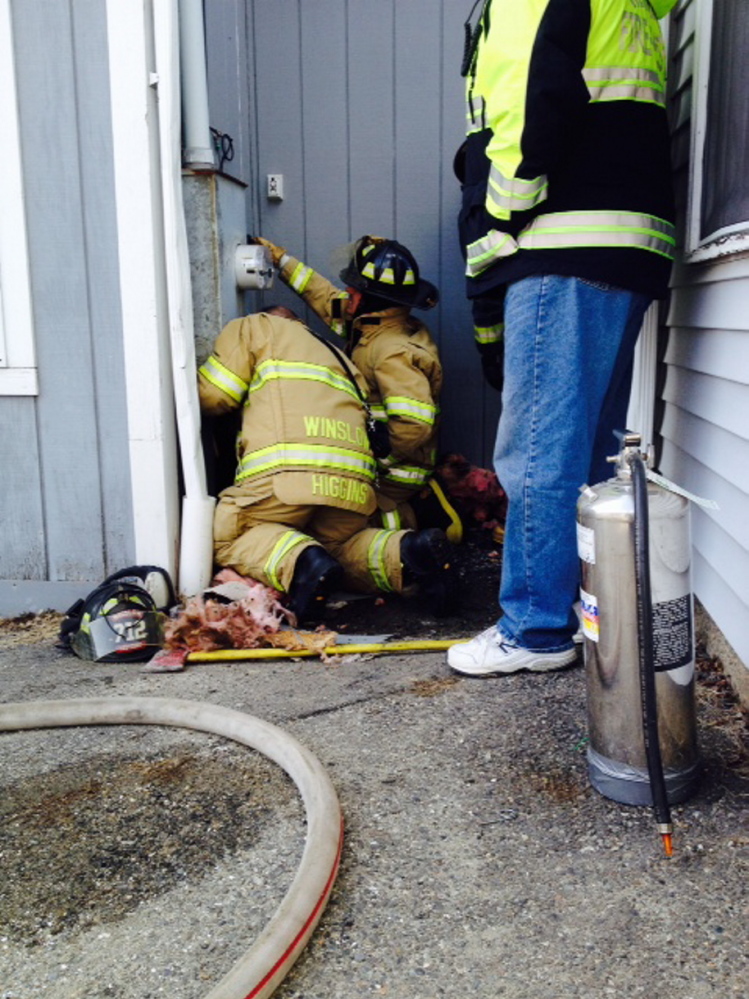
x=646, y=647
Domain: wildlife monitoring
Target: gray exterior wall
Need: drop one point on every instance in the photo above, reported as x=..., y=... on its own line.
x=65, y=502
x=360, y=106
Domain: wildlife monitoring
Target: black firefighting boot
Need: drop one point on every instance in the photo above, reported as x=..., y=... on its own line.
x=426, y=559
x=432, y=507
x=316, y=575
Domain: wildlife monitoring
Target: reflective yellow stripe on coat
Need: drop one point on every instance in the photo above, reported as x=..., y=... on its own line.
x=285, y=457
x=224, y=379
x=273, y=369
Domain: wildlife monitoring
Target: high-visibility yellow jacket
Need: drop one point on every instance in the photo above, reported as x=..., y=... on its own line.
x=399, y=360
x=303, y=435
x=566, y=166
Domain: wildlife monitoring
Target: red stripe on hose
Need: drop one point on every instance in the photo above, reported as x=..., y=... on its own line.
x=310, y=919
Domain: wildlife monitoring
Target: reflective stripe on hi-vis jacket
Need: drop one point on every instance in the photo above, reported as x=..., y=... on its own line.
x=281, y=549
x=489, y=334
x=412, y=409
x=485, y=251
x=475, y=113
x=273, y=369
x=514, y=193
x=561, y=230
x=614, y=83
x=224, y=379
x=568, y=230
x=280, y=457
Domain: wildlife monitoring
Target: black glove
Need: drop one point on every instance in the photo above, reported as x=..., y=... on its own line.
x=492, y=363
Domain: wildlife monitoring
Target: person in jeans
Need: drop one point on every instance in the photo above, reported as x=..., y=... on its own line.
x=567, y=229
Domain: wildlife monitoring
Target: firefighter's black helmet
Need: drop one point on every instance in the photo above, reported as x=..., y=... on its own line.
x=388, y=270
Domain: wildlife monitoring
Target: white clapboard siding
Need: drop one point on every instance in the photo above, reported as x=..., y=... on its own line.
x=705, y=425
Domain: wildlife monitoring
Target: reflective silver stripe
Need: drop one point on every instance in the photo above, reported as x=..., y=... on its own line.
x=379, y=412
x=281, y=549
x=310, y=456
x=487, y=250
x=563, y=230
x=387, y=275
x=475, y=114
x=619, y=83
x=274, y=369
x=514, y=192
x=299, y=278
x=627, y=92
x=397, y=405
x=605, y=73
x=219, y=375
x=407, y=475
x=376, y=560
x=489, y=334
x=391, y=519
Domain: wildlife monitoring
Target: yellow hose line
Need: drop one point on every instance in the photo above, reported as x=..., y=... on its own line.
x=223, y=655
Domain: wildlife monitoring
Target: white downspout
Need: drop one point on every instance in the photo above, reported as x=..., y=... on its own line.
x=196, y=536
x=198, y=153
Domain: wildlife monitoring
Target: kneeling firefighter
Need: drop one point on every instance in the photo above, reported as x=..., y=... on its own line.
x=400, y=362
x=296, y=517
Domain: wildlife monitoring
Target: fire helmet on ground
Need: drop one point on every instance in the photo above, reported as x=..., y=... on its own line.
x=119, y=623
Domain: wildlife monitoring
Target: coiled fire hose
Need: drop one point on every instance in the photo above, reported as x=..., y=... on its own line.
x=267, y=962
x=648, y=700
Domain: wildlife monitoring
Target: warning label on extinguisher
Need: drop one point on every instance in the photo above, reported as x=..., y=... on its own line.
x=672, y=633
x=589, y=615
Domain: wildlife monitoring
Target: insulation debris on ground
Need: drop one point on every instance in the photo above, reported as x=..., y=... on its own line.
x=233, y=613
x=238, y=613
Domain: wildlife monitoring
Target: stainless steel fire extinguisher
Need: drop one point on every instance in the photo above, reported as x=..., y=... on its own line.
x=614, y=619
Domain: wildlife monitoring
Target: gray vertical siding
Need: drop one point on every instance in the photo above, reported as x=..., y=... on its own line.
x=359, y=105
x=69, y=495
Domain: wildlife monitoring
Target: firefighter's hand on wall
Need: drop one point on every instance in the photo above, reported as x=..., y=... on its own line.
x=276, y=252
x=492, y=363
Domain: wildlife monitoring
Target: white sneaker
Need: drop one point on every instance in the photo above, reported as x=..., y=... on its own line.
x=489, y=655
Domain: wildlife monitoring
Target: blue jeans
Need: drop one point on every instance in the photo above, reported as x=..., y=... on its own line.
x=569, y=346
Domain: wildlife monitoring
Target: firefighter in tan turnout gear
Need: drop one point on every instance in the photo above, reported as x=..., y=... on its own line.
x=399, y=360
x=296, y=517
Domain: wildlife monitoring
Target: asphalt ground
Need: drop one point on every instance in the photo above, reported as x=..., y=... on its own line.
x=478, y=861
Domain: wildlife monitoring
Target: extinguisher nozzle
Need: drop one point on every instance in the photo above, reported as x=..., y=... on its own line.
x=668, y=844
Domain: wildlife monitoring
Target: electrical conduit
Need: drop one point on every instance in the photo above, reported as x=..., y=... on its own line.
x=264, y=966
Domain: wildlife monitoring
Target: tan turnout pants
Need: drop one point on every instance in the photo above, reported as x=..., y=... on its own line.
x=263, y=538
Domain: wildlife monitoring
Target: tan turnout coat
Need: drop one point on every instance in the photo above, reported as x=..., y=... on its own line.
x=399, y=360
x=303, y=434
